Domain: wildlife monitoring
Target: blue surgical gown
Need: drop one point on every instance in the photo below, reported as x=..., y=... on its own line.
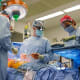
x=76, y=32
x=37, y=45
x=5, y=45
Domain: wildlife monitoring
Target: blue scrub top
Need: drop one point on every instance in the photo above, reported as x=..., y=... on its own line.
x=37, y=45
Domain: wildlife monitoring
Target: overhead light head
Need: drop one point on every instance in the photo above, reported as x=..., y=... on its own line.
x=16, y=14
x=21, y=10
x=17, y=7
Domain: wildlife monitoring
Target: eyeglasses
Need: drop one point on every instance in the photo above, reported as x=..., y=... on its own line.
x=40, y=28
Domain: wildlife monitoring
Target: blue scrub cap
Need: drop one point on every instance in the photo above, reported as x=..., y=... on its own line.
x=38, y=23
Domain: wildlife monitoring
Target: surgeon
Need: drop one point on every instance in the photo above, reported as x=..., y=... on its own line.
x=5, y=43
x=69, y=25
x=36, y=47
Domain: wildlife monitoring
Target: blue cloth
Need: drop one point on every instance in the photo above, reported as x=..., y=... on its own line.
x=49, y=73
x=69, y=53
x=13, y=74
x=5, y=45
x=32, y=66
x=37, y=45
x=36, y=67
x=73, y=54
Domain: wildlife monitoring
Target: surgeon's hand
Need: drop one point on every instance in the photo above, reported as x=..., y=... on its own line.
x=37, y=56
x=23, y=56
x=15, y=50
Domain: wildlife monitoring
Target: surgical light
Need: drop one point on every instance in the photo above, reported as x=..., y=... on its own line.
x=16, y=15
x=51, y=15
x=17, y=9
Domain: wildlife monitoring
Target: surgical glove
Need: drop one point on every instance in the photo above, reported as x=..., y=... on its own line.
x=41, y=56
x=23, y=56
x=35, y=55
x=14, y=50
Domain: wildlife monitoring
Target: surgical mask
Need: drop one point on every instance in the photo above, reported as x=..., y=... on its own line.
x=39, y=33
x=69, y=29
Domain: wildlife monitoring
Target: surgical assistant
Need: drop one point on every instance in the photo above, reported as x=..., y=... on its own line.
x=5, y=44
x=69, y=25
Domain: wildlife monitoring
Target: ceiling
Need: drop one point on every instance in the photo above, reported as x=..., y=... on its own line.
x=39, y=8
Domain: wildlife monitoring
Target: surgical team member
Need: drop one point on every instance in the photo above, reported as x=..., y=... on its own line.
x=37, y=46
x=5, y=43
x=69, y=26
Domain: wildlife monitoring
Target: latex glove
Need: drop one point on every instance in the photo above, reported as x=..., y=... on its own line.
x=69, y=38
x=37, y=56
x=41, y=56
x=23, y=56
x=14, y=50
